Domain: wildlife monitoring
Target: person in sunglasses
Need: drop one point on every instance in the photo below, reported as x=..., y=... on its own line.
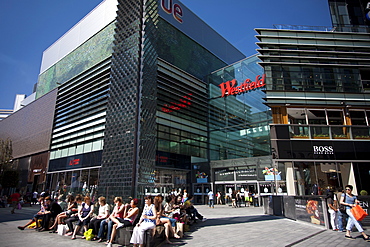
x=350, y=200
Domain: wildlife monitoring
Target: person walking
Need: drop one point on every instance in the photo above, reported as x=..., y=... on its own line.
x=350, y=200
x=15, y=198
x=219, y=198
x=211, y=199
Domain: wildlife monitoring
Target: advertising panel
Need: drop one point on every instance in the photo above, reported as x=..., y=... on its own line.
x=309, y=210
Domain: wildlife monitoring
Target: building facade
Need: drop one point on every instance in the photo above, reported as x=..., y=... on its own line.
x=317, y=87
x=131, y=101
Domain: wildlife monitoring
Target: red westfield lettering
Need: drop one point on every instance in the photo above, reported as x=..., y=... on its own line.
x=173, y=9
x=175, y=106
x=74, y=162
x=229, y=88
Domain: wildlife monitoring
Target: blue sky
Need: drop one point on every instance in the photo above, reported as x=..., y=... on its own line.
x=28, y=27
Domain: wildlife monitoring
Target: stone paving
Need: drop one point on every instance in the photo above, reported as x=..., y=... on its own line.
x=226, y=226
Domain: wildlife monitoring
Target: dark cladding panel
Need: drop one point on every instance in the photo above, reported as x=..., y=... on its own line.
x=129, y=139
x=284, y=150
x=362, y=150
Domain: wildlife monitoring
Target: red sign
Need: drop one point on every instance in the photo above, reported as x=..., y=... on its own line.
x=74, y=162
x=173, y=9
x=175, y=106
x=229, y=88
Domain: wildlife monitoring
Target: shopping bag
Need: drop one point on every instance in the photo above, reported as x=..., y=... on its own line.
x=19, y=206
x=89, y=235
x=358, y=212
x=180, y=229
x=62, y=229
x=33, y=224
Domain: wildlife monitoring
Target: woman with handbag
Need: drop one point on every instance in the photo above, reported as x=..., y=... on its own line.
x=84, y=213
x=350, y=200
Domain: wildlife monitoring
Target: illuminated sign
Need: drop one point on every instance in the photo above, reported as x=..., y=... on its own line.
x=229, y=88
x=175, y=106
x=174, y=9
x=74, y=162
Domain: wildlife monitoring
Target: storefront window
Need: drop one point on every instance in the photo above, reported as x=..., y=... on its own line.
x=316, y=178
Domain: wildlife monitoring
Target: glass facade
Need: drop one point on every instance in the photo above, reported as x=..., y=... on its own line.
x=238, y=125
x=239, y=131
x=183, y=52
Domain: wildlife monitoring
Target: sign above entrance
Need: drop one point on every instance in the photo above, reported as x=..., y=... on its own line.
x=229, y=88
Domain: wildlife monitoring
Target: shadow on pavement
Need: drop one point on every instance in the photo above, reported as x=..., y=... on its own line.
x=219, y=222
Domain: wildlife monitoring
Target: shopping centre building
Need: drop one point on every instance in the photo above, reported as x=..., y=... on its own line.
x=145, y=97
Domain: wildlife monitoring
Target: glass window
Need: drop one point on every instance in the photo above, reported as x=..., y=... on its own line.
x=335, y=117
x=314, y=178
x=297, y=116
x=357, y=117
x=316, y=117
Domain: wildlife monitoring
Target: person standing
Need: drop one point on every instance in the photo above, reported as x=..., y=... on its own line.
x=35, y=195
x=219, y=198
x=15, y=198
x=350, y=200
x=332, y=208
x=210, y=199
x=342, y=217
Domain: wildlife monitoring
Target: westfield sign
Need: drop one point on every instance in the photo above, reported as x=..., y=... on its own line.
x=230, y=87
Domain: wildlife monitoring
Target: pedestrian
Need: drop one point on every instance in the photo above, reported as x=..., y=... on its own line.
x=342, y=217
x=219, y=198
x=246, y=198
x=15, y=198
x=332, y=209
x=233, y=199
x=210, y=199
x=350, y=200
x=35, y=195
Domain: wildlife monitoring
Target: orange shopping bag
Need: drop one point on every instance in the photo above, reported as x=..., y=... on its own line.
x=358, y=212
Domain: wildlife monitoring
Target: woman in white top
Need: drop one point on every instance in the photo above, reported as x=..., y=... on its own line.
x=102, y=215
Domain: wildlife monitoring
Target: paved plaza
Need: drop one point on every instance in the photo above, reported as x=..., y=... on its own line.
x=226, y=226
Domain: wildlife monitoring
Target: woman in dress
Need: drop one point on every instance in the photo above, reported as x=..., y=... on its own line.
x=84, y=214
x=146, y=222
x=350, y=200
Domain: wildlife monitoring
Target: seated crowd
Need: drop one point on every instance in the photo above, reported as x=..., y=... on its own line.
x=176, y=213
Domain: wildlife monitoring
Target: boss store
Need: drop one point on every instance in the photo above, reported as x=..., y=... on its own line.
x=315, y=166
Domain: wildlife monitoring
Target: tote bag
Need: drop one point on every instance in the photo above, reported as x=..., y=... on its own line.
x=358, y=212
